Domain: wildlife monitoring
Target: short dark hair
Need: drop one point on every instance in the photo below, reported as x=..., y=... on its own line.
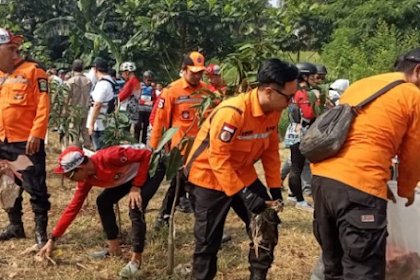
x=112, y=72
x=78, y=65
x=407, y=62
x=275, y=71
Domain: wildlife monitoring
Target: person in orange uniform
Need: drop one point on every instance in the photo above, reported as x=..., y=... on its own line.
x=174, y=110
x=214, y=75
x=350, y=189
x=239, y=132
x=24, y=112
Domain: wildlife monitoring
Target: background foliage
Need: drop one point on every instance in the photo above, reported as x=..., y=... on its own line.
x=354, y=38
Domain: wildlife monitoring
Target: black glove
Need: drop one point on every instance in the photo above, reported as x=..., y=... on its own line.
x=276, y=194
x=252, y=201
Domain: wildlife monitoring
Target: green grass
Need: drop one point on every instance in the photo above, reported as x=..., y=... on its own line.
x=295, y=254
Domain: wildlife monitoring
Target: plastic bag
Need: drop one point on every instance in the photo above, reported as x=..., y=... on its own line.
x=9, y=190
x=403, y=242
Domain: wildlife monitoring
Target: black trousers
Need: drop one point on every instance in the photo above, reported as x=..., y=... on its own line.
x=295, y=181
x=211, y=210
x=350, y=226
x=141, y=126
x=33, y=180
x=170, y=199
x=105, y=203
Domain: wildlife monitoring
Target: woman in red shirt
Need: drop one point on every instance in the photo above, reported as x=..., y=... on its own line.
x=302, y=116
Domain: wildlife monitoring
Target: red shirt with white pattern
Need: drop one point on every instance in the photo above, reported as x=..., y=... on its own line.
x=114, y=167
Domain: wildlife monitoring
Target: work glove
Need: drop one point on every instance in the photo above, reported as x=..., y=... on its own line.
x=252, y=201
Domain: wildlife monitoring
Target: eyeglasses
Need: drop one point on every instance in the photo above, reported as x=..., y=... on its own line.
x=288, y=96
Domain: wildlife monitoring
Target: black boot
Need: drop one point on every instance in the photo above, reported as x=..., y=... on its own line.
x=41, y=222
x=12, y=231
x=258, y=274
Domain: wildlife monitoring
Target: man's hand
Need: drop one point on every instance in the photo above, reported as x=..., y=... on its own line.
x=47, y=249
x=410, y=199
x=32, y=146
x=134, y=198
x=91, y=130
x=148, y=103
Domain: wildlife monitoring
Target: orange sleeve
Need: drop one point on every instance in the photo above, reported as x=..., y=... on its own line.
x=42, y=101
x=162, y=118
x=409, y=155
x=271, y=162
x=219, y=152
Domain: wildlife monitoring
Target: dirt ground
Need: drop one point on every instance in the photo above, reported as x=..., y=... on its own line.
x=295, y=255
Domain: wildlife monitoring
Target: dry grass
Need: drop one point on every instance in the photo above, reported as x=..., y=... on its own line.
x=295, y=255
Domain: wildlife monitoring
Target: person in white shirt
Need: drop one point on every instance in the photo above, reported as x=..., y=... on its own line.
x=336, y=90
x=101, y=97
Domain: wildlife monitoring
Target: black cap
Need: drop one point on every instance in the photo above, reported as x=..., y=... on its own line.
x=100, y=64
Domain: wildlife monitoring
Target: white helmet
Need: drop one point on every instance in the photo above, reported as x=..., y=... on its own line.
x=128, y=66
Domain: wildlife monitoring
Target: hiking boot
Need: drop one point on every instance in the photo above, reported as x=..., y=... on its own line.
x=184, y=206
x=12, y=231
x=161, y=223
x=303, y=205
x=41, y=222
x=129, y=270
x=258, y=274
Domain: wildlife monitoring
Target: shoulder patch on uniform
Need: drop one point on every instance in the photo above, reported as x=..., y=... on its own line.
x=227, y=132
x=43, y=85
x=161, y=103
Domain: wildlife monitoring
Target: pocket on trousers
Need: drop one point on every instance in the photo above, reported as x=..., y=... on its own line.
x=364, y=233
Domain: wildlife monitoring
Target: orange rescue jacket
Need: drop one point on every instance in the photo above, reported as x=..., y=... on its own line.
x=388, y=126
x=235, y=136
x=174, y=110
x=24, y=102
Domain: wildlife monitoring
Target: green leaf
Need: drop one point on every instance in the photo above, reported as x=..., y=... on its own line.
x=154, y=163
x=166, y=137
x=174, y=163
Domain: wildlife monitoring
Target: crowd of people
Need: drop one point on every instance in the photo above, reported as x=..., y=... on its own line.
x=349, y=189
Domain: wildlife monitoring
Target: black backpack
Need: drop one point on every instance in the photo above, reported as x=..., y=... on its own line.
x=110, y=103
x=327, y=134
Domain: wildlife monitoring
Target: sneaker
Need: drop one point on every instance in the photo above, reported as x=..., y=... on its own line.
x=129, y=270
x=303, y=205
x=292, y=199
x=161, y=223
x=100, y=255
x=184, y=205
x=226, y=237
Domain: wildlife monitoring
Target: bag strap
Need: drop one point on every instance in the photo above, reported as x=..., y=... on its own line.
x=379, y=93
